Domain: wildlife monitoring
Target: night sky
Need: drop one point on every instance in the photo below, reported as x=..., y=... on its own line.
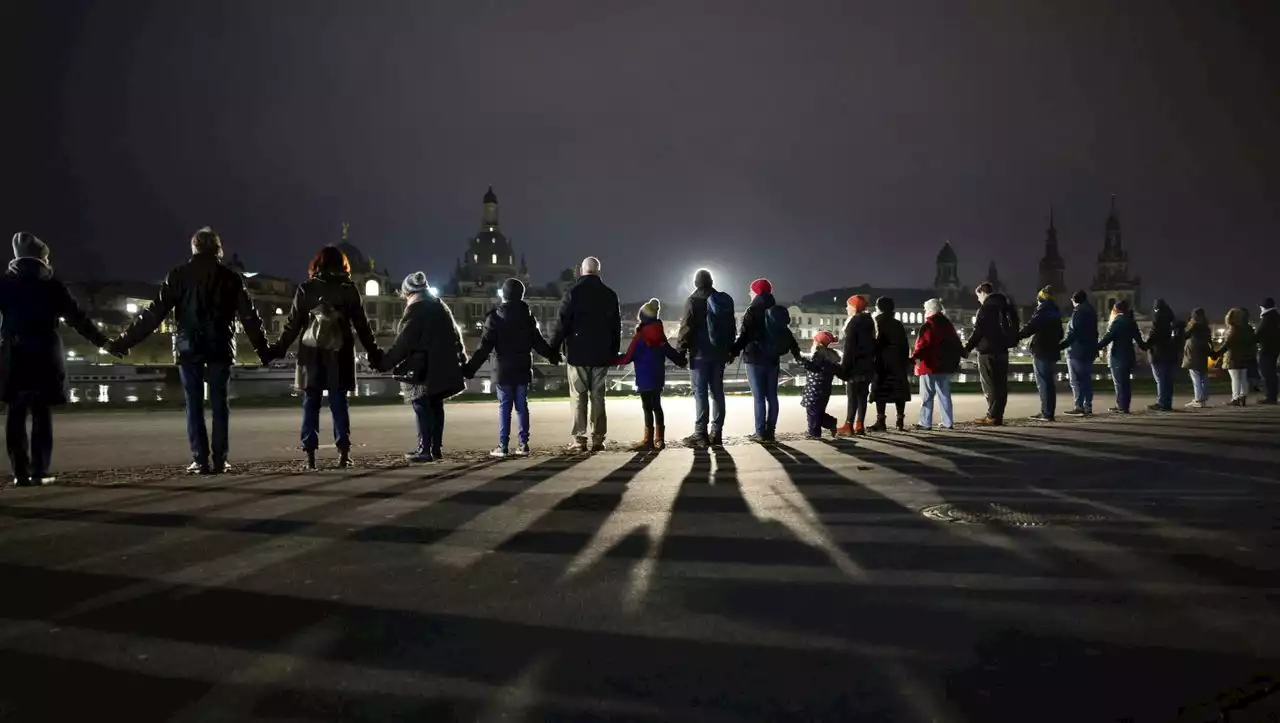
x=818, y=143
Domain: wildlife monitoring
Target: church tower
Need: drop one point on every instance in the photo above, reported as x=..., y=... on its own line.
x=490, y=258
x=946, y=281
x=1112, y=282
x=1052, y=267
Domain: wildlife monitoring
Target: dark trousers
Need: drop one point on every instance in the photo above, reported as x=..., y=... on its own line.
x=429, y=414
x=1081, y=374
x=217, y=375
x=707, y=377
x=1046, y=370
x=651, y=403
x=1267, y=368
x=1120, y=372
x=311, y=400
x=1163, y=373
x=857, y=394
x=818, y=419
x=899, y=407
x=993, y=372
x=29, y=459
x=512, y=396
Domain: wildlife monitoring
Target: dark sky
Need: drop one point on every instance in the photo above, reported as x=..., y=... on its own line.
x=817, y=143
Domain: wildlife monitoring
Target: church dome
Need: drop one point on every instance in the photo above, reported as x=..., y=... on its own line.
x=355, y=257
x=947, y=255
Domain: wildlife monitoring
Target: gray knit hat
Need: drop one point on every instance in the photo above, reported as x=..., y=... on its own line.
x=415, y=283
x=27, y=246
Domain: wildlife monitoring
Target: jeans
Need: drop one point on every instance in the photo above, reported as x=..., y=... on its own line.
x=1080, y=371
x=651, y=404
x=514, y=395
x=1239, y=383
x=29, y=459
x=1163, y=372
x=857, y=393
x=1200, y=383
x=194, y=376
x=311, y=400
x=1267, y=368
x=993, y=372
x=708, y=381
x=586, y=393
x=1120, y=372
x=429, y=414
x=1045, y=370
x=939, y=385
x=763, y=380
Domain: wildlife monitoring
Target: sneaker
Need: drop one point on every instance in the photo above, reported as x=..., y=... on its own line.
x=419, y=457
x=310, y=462
x=597, y=444
x=579, y=446
x=1077, y=412
x=198, y=467
x=499, y=452
x=697, y=440
x=1194, y=405
x=759, y=439
x=717, y=439
x=220, y=466
x=344, y=460
x=809, y=435
x=919, y=428
x=1158, y=408
x=1040, y=418
x=1118, y=410
x=28, y=481
x=986, y=421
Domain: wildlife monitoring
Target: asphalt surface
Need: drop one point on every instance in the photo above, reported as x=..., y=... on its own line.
x=1111, y=569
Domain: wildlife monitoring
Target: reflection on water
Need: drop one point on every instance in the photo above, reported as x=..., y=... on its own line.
x=133, y=392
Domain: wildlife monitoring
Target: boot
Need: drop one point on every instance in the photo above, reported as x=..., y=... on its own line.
x=344, y=458
x=844, y=430
x=645, y=444
x=901, y=425
x=858, y=429
x=879, y=426
x=659, y=435
x=311, y=459
x=717, y=439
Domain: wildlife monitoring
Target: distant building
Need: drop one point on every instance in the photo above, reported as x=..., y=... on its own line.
x=1112, y=282
x=1053, y=269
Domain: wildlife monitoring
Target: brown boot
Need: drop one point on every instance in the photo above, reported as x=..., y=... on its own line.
x=645, y=444
x=659, y=437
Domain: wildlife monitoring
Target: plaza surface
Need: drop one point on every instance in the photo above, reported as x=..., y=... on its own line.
x=1111, y=569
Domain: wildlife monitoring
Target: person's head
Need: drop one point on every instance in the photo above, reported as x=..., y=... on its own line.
x=1079, y=297
x=1235, y=317
x=1161, y=305
x=650, y=310
x=1046, y=294
x=1268, y=304
x=984, y=290
x=591, y=266
x=884, y=305
x=513, y=290
x=27, y=246
x=1198, y=316
x=414, y=286
x=855, y=304
x=206, y=241
x=761, y=286
x=933, y=307
x=330, y=260
x=702, y=280
x=823, y=339
x=1120, y=309
x=1245, y=313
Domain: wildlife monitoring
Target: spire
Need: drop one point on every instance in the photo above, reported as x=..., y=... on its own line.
x=490, y=196
x=346, y=231
x=992, y=275
x=524, y=267
x=1051, y=228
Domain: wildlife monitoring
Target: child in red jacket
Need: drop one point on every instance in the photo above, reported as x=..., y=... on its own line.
x=649, y=351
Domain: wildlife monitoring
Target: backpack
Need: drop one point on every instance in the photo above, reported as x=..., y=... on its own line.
x=325, y=330
x=720, y=324
x=949, y=350
x=1009, y=325
x=776, y=339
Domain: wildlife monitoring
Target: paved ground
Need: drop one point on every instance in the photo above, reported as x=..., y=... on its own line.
x=112, y=440
x=812, y=581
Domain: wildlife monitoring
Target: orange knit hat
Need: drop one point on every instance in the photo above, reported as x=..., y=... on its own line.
x=858, y=302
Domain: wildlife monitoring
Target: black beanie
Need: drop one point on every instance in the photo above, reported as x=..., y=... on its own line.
x=1268, y=303
x=512, y=290
x=26, y=245
x=1079, y=297
x=702, y=279
x=884, y=305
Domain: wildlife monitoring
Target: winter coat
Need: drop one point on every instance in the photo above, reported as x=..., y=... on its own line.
x=32, y=357
x=933, y=333
x=858, y=360
x=1122, y=335
x=693, y=338
x=1081, y=342
x=822, y=368
x=989, y=336
x=1045, y=329
x=892, y=361
x=590, y=325
x=1238, y=349
x=427, y=354
x=1268, y=333
x=1198, y=348
x=511, y=331
x=324, y=369
x=1164, y=341
x=206, y=299
x=753, y=329
x=649, y=351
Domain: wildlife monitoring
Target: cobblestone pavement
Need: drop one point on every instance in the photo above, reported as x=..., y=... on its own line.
x=1111, y=569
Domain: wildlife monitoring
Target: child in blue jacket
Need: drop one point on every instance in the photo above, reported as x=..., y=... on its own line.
x=649, y=351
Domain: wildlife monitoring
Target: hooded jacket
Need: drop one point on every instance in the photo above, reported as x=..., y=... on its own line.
x=859, y=348
x=935, y=331
x=1238, y=348
x=32, y=357
x=1164, y=341
x=1122, y=335
x=822, y=368
x=892, y=361
x=649, y=351
x=322, y=368
x=989, y=335
x=753, y=329
x=1268, y=333
x=427, y=354
x=1197, y=347
x=511, y=331
x=1081, y=342
x=590, y=327
x=1045, y=329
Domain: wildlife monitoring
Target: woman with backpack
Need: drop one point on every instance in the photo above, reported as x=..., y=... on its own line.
x=765, y=335
x=328, y=314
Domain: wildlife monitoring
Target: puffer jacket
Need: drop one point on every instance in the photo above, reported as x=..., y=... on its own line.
x=512, y=332
x=1163, y=343
x=1122, y=336
x=649, y=351
x=822, y=367
x=1081, y=342
x=1197, y=348
x=1045, y=329
x=1239, y=347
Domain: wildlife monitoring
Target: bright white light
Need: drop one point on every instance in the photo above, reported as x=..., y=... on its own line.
x=71, y=355
x=495, y=259
x=434, y=291
x=279, y=311
x=371, y=288
x=131, y=308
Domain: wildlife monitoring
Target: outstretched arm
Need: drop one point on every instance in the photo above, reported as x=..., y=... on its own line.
x=150, y=318
x=249, y=319
x=75, y=317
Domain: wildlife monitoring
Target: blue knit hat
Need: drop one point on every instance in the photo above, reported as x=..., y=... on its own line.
x=415, y=283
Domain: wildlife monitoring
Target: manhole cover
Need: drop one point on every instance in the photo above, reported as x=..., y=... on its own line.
x=995, y=514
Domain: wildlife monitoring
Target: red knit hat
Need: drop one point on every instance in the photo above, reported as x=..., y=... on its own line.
x=858, y=302
x=824, y=338
x=761, y=286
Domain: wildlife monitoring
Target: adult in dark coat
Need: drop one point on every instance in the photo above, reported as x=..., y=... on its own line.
x=706, y=364
x=1196, y=351
x=327, y=298
x=1238, y=349
x=206, y=299
x=1081, y=345
x=1044, y=328
x=1268, y=336
x=590, y=330
x=993, y=338
x=512, y=332
x=1122, y=336
x=892, y=365
x=1164, y=351
x=761, y=353
x=33, y=375
x=428, y=358
x=857, y=364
